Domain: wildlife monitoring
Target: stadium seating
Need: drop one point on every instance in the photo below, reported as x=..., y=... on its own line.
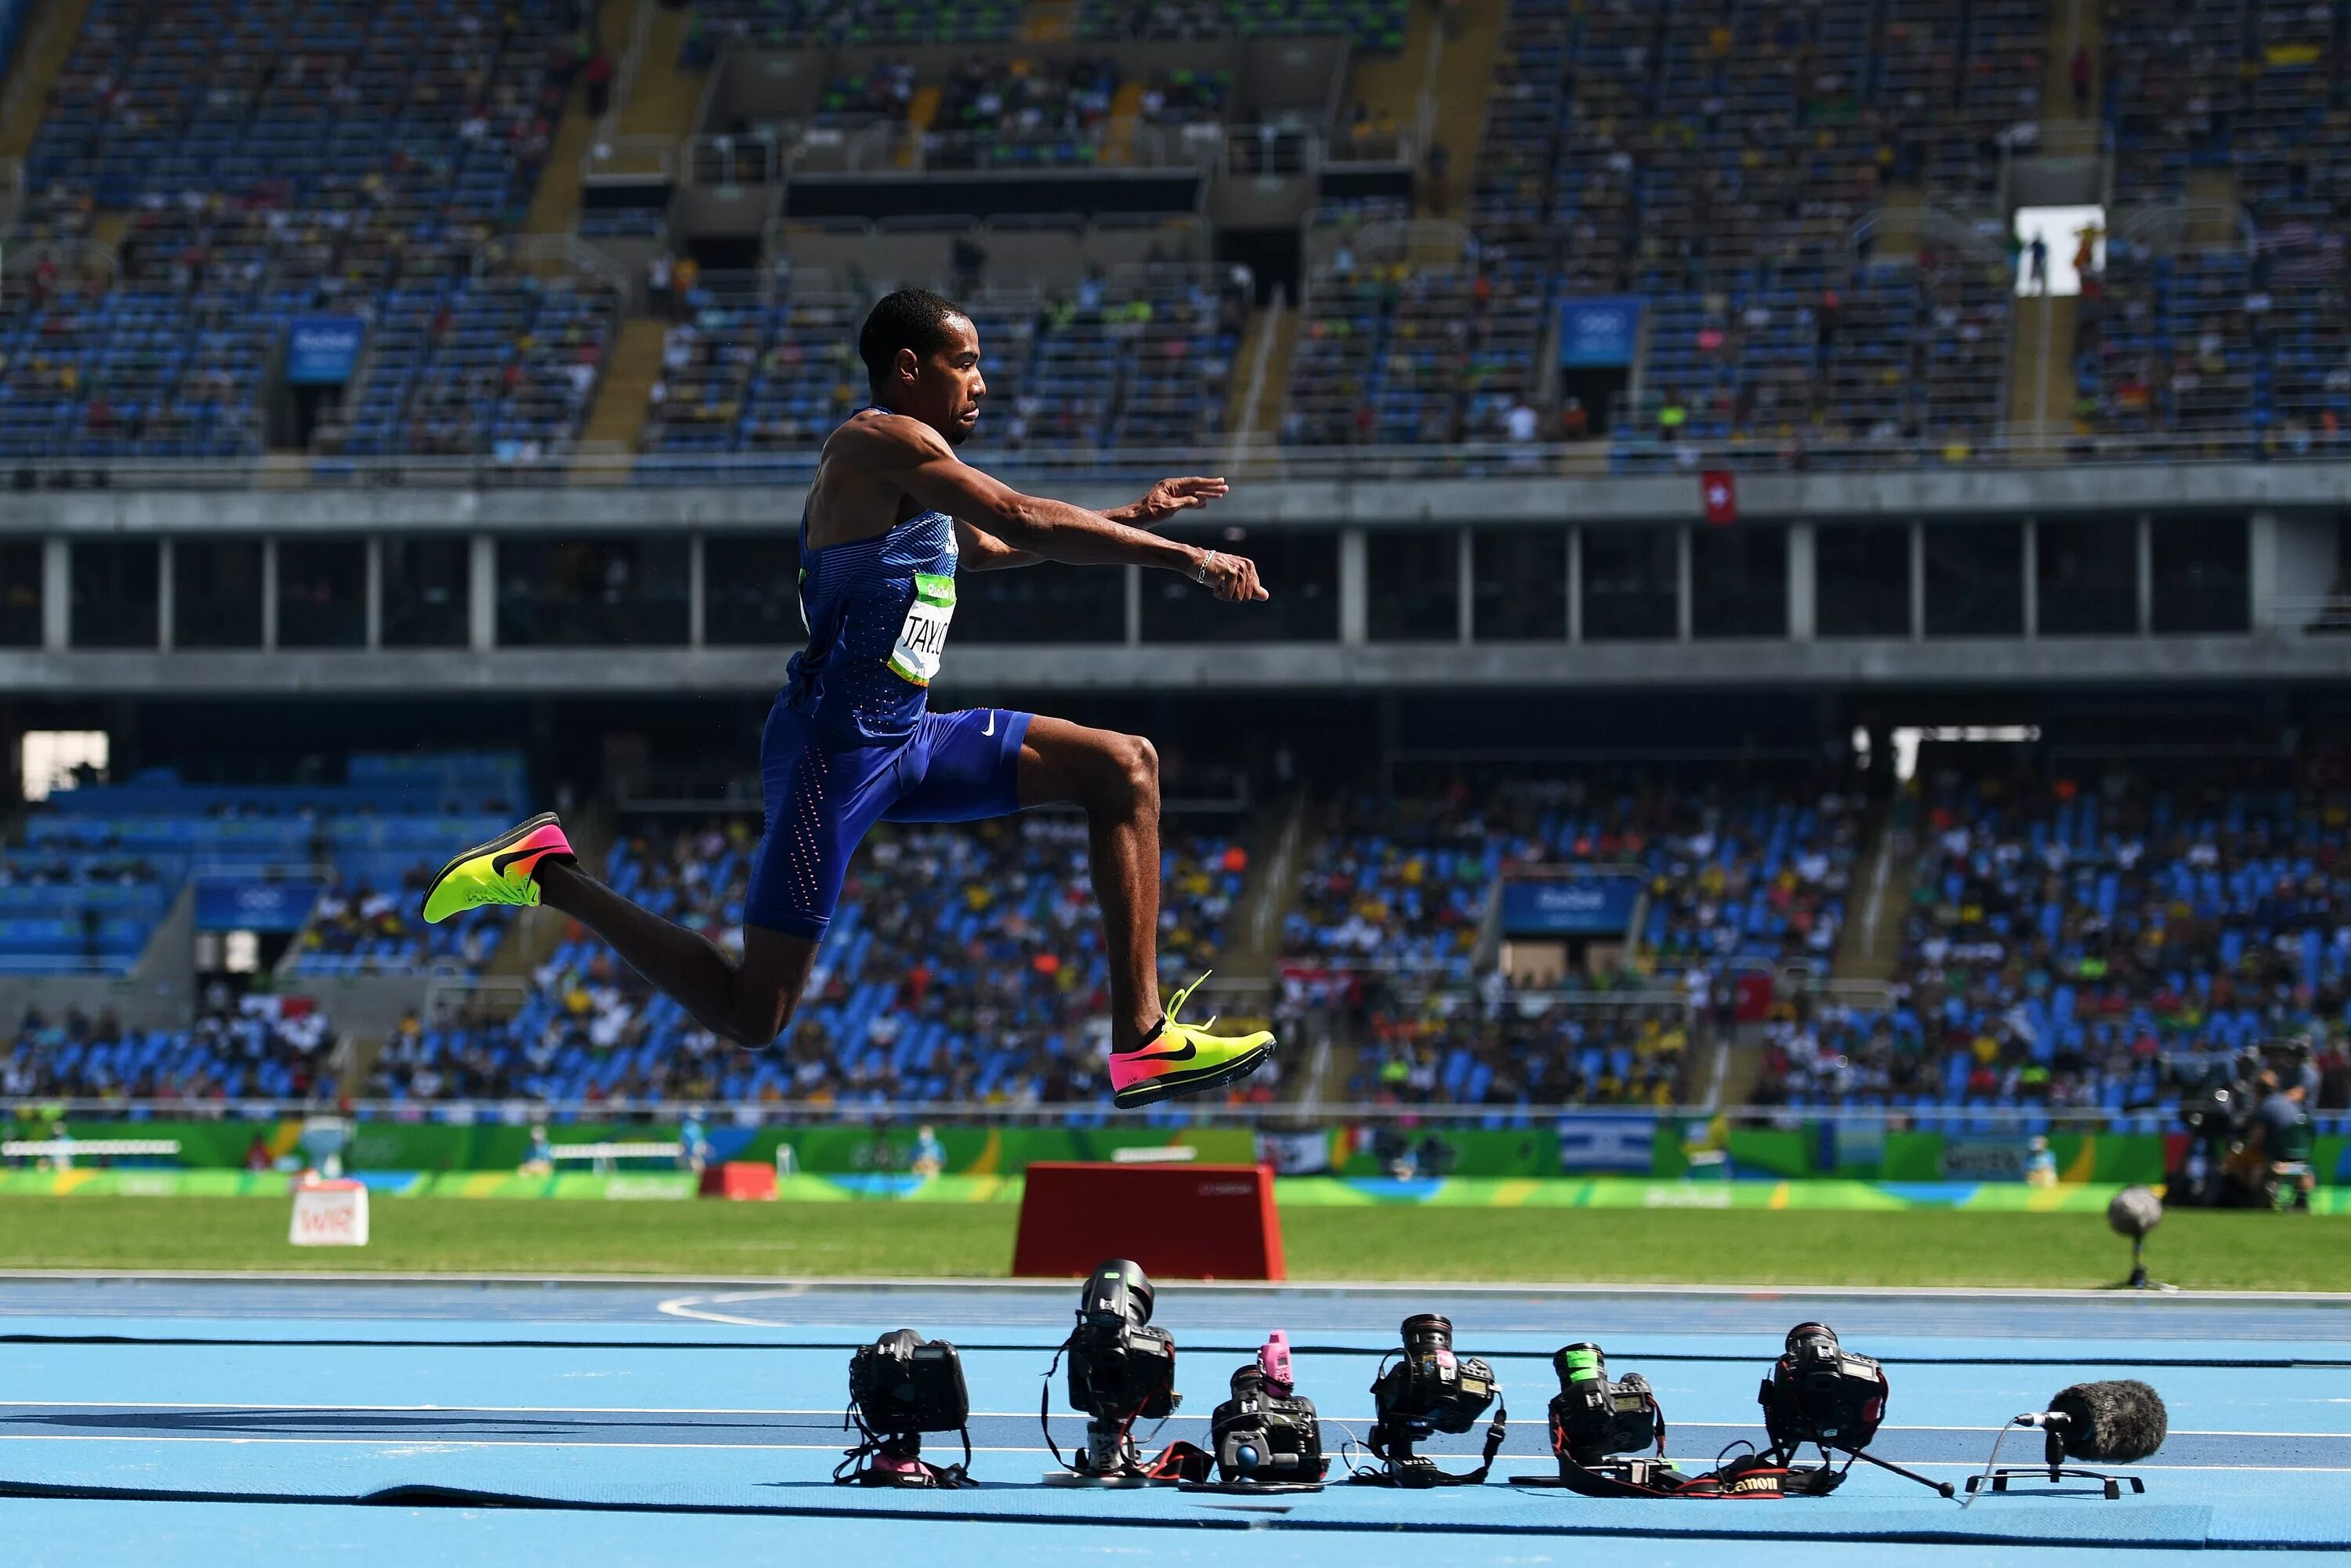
x=2085, y=942
x=1460, y=1053
x=2242, y=341
x=276, y=160
x=127, y=849
x=356, y=928
x=266, y=1051
x=784, y=24
x=1755, y=874
x=1139, y=357
x=1376, y=27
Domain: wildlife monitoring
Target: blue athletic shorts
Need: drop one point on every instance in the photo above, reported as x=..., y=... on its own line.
x=822, y=794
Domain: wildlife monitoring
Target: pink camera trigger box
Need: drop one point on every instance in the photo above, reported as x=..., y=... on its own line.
x=1273, y=1361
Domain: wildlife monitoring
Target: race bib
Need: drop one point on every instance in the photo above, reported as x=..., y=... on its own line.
x=924, y=637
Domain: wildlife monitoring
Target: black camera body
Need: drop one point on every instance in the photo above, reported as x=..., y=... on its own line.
x=903, y=1382
x=1594, y=1416
x=1427, y=1390
x=1121, y=1370
x=1263, y=1437
x=900, y=1386
x=1819, y=1391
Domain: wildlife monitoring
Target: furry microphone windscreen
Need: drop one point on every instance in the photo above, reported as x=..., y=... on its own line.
x=2135, y=1211
x=2115, y=1422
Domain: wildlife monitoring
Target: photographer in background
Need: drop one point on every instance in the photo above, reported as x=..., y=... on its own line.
x=2283, y=1136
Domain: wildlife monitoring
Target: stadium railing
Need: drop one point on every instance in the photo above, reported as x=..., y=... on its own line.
x=2012, y=1119
x=1240, y=460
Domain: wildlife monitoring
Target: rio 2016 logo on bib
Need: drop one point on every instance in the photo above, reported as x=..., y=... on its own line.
x=924, y=637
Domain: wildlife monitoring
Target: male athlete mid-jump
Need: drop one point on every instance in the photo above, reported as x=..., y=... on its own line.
x=851, y=741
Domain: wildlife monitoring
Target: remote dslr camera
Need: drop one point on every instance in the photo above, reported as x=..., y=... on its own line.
x=1427, y=1390
x=1819, y=1391
x=1267, y=1433
x=1121, y=1370
x=903, y=1382
x=900, y=1386
x=1593, y=1417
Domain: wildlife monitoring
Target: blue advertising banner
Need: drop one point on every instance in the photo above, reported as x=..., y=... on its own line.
x=1570, y=907
x=252, y=905
x=323, y=350
x=1606, y=1143
x=1600, y=331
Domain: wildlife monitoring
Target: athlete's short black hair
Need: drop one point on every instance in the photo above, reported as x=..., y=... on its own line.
x=913, y=318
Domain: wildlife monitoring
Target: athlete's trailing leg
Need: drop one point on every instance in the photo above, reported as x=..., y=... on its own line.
x=746, y=1001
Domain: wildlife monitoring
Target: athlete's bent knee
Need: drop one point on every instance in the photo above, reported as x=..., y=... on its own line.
x=1135, y=762
x=754, y=1022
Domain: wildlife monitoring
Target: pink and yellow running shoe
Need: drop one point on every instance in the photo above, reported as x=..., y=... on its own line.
x=499, y=871
x=1179, y=1058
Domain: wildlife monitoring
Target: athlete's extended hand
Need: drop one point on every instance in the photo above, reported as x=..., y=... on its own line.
x=1231, y=578
x=1169, y=497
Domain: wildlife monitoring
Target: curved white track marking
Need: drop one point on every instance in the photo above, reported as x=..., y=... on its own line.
x=685, y=1307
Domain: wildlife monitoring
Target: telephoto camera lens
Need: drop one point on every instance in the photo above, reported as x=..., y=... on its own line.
x=1427, y=1334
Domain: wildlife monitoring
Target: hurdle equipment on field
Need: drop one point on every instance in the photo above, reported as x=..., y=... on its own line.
x=1178, y=1221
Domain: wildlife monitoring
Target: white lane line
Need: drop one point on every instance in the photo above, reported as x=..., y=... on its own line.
x=100, y=1404
x=409, y=1445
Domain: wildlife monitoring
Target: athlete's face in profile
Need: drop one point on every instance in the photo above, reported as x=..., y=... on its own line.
x=948, y=386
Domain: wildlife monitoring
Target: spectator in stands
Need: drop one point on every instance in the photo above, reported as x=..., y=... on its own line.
x=1673, y=414
x=599, y=75
x=2077, y=71
x=1574, y=420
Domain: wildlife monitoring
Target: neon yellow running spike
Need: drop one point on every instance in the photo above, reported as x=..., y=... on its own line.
x=499, y=871
x=1179, y=1058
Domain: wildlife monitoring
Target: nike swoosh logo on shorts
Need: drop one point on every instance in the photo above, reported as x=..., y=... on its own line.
x=992, y=723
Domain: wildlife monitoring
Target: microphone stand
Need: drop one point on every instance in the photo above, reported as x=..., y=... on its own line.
x=2054, y=1467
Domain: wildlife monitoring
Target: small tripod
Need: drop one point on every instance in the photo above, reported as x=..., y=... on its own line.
x=2053, y=1469
x=1943, y=1489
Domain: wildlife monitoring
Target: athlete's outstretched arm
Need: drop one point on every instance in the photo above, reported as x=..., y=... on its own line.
x=983, y=551
x=917, y=460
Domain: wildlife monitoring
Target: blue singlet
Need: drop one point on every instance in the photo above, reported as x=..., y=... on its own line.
x=851, y=740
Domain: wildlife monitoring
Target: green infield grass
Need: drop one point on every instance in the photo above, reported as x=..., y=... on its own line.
x=2211, y=1251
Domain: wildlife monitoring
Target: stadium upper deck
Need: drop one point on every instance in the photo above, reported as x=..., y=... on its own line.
x=1800, y=210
